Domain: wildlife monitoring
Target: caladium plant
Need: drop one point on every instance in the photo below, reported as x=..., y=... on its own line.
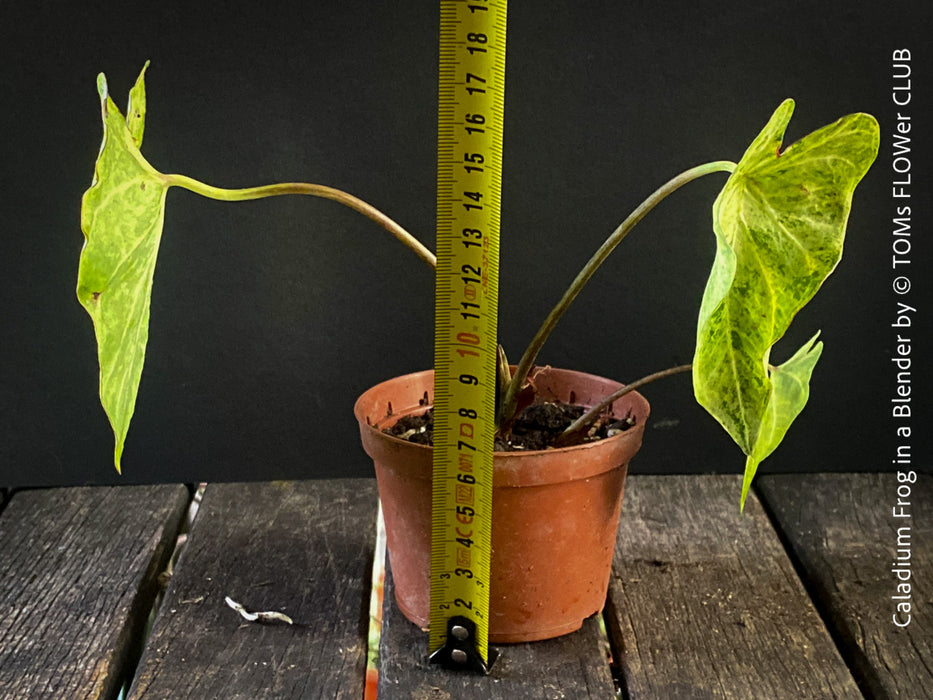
x=779, y=224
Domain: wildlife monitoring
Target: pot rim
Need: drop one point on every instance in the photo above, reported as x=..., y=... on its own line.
x=519, y=468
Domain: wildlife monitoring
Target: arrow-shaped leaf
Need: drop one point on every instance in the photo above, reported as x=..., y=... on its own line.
x=780, y=222
x=121, y=216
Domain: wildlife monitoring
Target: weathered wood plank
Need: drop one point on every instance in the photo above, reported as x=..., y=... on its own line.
x=843, y=532
x=301, y=548
x=704, y=602
x=573, y=666
x=78, y=570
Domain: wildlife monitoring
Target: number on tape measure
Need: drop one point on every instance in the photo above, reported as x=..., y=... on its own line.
x=470, y=127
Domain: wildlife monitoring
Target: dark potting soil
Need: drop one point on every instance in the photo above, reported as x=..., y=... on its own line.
x=537, y=427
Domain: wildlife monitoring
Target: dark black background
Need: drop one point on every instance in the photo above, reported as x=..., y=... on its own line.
x=270, y=317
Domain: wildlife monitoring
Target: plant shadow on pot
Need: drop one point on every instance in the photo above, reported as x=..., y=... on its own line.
x=555, y=512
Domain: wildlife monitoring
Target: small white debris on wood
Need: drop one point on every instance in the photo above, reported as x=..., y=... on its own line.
x=269, y=616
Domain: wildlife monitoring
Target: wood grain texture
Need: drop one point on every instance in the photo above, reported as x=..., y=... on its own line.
x=572, y=667
x=78, y=570
x=304, y=549
x=704, y=602
x=843, y=533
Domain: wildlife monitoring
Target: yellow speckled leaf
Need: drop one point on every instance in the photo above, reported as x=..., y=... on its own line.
x=780, y=222
x=121, y=216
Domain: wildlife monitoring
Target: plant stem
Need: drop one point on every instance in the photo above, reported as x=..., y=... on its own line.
x=284, y=188
x=531, y=353
x=583, y=422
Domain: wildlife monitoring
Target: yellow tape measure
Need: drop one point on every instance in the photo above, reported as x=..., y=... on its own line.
x=470, y=126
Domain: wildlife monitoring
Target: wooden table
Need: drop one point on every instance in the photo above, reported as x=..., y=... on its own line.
x=793, y=599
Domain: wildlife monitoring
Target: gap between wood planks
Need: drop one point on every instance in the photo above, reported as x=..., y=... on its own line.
x=164, y=578
x=808, y=585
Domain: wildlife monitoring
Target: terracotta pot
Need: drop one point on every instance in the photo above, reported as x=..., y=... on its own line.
x=555, y=512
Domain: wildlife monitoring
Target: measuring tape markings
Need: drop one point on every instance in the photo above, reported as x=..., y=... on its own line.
x=470, y=127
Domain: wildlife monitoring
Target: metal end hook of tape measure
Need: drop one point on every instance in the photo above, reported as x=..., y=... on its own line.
x=460, y=652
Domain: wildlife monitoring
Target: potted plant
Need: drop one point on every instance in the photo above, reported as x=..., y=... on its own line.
x=779, y=224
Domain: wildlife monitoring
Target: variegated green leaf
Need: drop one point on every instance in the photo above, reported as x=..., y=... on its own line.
x=136, y=108
x=780, y=222
x=791, y=389
x=121, y=216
